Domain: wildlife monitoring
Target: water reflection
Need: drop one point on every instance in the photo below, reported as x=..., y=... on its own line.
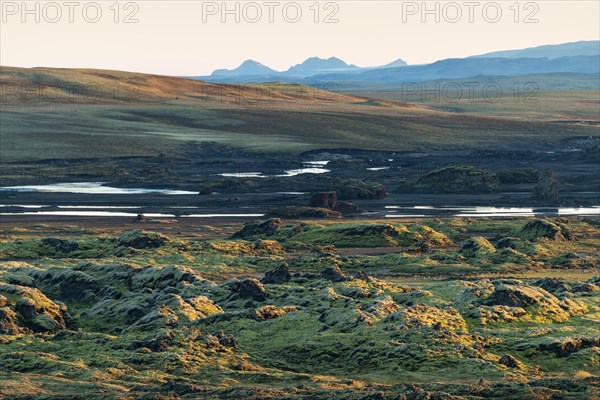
x=90, y=188
x=485, y=211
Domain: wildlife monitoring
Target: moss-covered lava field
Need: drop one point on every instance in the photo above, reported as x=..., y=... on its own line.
x=425, y=309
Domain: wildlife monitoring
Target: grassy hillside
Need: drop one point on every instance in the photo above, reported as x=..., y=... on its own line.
x=140, y=115
x=552, y=97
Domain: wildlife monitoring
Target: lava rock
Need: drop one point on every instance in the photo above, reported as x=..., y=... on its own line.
x=347, y=208
x=510, y=362
x=585, y=288
x=513, y=296
x=552, y=285
x=333, y=273
x=251, y=288
x=280, y=274
x=324, y=200
x=8, y=322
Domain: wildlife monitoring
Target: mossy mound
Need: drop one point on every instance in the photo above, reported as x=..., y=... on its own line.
x=296, y=212
x=566, y=346
x=138, y=239
x=516, y=244
x=541, y=228
x=146, y=298
x=539, y=304
x=510, y=256
x=233, y=247
x=62, y=248
x=506, y=301
x=59, y=246
x=259, y=229
x=476, y=247
x=371, y=235
x=62, y=283
x=160, y=278
x=459, y=179
x=272, y=312
x=516, y=176
x=553, y=285
x=430, y=236
x=118, y=297
x=355, y=189
x=268, y=247
x=333, y=273
x=27, y=310
x=431, y=316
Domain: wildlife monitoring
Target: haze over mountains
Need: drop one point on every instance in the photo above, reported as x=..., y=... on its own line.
x=577, y=57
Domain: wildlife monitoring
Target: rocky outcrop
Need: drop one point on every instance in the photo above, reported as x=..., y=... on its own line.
x=324, y=200
x=547, y=189
x=347, y=208
x=330, y=201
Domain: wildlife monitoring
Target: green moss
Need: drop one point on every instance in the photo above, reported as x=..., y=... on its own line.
x=459, y=179
x=167, y=321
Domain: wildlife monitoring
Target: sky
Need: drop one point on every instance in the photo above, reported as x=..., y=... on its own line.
x=193, y=38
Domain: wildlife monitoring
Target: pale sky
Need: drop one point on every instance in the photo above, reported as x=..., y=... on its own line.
x=190, y=38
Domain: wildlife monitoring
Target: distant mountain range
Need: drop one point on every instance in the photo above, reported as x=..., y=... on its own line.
x=254, y=71
x=248, y=68
x=583, y=48
x=575, y=57
x=468, y=67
